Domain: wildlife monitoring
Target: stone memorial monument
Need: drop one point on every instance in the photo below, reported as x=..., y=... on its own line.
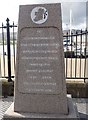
x=40, y=88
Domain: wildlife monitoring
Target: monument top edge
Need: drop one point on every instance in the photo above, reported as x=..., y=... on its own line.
x=40, y=3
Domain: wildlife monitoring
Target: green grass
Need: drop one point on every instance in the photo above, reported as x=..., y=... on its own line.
x=5, y=43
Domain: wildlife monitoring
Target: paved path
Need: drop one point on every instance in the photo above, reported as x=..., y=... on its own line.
x=4, y=105
x=82, y=106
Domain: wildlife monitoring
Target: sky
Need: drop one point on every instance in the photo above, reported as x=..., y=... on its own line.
x=10, y=9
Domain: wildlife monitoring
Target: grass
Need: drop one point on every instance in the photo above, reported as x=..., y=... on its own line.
x=5, y=42
x=0, y=61
x=2, y=82
x=0, y=65
x=6, y=88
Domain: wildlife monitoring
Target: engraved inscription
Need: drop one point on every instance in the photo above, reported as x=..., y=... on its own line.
x=39, y=56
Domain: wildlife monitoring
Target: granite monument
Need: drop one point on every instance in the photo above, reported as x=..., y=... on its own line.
x=40, y=86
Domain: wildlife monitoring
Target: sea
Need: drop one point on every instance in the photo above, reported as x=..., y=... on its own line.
x=5, y=49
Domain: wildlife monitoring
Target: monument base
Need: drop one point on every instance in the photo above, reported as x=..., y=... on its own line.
x=73, y=114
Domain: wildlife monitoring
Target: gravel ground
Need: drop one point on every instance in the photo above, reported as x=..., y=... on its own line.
x=82, y=106
x=4, y=105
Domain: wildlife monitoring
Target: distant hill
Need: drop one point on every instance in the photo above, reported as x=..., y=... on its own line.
x=15, y=34
x=11, y=36
x=73, y=31
x=0, y=36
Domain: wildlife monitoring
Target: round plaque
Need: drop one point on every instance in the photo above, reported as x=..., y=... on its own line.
x=39, y=15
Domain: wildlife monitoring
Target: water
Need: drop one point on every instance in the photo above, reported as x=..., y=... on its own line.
x=5, y=49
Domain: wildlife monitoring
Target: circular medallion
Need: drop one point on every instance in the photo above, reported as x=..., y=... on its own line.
x=39, y=15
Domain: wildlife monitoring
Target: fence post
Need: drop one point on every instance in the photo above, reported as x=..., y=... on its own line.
x=8, y=51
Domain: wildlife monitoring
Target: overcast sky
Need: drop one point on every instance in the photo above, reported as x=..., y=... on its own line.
x=78, y=16
x=10, y=9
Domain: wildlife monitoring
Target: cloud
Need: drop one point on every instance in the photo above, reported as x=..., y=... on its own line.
x=78, y=10
x=78, y=13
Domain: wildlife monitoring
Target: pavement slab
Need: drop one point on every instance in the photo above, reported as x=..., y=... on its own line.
x=82, y=106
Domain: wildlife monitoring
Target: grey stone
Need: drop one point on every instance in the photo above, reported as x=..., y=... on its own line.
x=40, y=81
x=40, y=86
x=72, y=115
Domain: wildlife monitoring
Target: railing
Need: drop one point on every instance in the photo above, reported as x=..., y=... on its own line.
x=8, y=44
x=75, y=51
x=76, y=55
